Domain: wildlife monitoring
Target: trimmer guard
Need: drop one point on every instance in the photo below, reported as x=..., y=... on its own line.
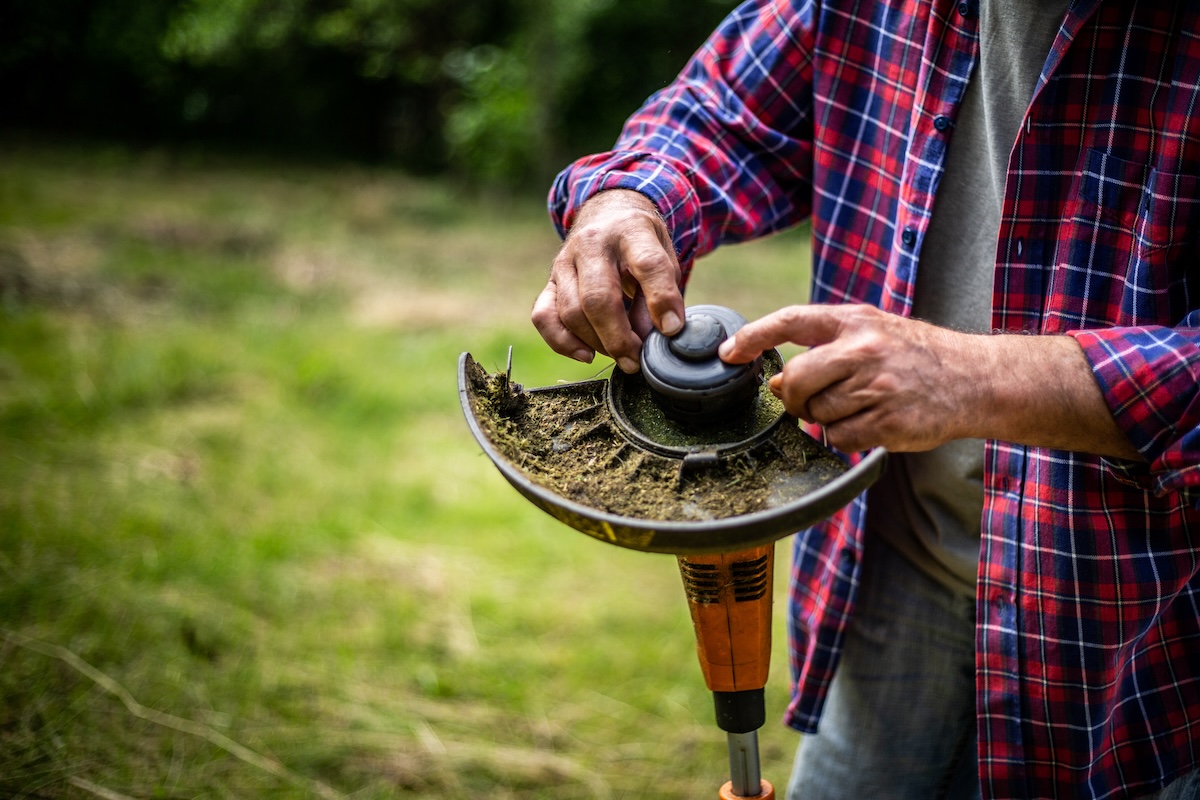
x=675, y=536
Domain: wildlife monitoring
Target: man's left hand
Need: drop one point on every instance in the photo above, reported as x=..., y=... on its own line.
x=876, y=379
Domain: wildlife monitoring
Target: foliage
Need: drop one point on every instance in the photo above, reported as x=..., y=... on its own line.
x=496, y=91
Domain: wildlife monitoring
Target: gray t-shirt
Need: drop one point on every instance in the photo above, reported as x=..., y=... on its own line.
x=929, y=505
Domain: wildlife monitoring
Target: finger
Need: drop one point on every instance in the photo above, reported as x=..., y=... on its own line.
x=592, y=296
x=853, y=434
x=652, y=264
x=546, y=319
x=605, y=313
x=837, y=402
x=568, y=307
x=812, y=384
x=639, y=316
x=583, y=313
x=601, y=319
x=849, y=433
x=803, y=325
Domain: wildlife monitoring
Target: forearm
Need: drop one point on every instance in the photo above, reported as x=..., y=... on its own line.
x=1040, y=391
x=722, y=152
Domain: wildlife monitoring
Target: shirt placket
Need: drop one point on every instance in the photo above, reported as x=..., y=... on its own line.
x=950, y=54
x=1022, y=279
x=998, y=662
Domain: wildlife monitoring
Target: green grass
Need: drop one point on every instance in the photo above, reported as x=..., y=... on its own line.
x=248, y=547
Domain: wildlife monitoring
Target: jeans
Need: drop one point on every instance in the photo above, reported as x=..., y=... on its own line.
x=899, y=720
x=1184, y=788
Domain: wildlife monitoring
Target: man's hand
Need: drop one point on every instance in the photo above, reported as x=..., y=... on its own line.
x=618, y=248
x=870, y=378
x=873, y=378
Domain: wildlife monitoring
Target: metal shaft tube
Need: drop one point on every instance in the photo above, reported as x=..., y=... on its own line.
x=744, y=770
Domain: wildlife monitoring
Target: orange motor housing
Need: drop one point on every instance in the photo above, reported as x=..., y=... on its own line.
x=729, y=596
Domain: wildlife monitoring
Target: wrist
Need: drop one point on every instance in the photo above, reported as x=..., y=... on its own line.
x=608, y=201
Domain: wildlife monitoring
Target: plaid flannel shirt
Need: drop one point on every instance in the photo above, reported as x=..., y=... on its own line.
x=1088, y=626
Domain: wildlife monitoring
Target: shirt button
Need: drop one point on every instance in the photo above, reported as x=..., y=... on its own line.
x=941, y=122
x=908, y=237
x=964, y=8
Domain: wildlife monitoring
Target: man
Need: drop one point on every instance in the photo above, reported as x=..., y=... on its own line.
x=1018, y=618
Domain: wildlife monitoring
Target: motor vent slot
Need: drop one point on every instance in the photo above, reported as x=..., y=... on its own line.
x=750, y=579
x=701, y=582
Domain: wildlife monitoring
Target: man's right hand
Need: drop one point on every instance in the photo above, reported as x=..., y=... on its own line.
x=617, y=249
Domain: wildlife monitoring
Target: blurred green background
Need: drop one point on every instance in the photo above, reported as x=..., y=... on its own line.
x=248, y=547
x=489, y=91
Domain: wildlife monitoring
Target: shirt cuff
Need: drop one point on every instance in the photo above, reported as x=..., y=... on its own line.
x=1150, y=377
x=658, y=178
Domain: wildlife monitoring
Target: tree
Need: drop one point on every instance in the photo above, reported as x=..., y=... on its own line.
x=493, y=91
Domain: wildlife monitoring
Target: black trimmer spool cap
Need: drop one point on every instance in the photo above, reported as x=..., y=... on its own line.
x=688, y=379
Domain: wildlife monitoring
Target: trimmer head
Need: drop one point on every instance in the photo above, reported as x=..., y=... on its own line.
x=572, y=450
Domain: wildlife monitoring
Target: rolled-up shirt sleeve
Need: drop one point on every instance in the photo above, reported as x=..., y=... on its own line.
x=724, y=151
x=1150, y=377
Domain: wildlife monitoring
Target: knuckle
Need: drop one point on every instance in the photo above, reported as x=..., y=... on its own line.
x=836, y=436
x=594, y=301
x=790, y=315
x=574, y=320
x=566, y=250
x=567, y=306
x=858, y=320
x=650, y=259
x=872, y=344
x=544, y=313
x=861, y=312
x=799, y=406
x=587, y=237
x=884, y=385
x=819, y=409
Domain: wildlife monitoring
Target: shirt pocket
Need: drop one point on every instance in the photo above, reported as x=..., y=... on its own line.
x=1125, y=250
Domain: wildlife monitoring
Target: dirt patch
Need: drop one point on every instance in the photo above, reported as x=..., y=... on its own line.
x=565, y=439
x=218, y=239
x=413, y=308
x=377, y=298
x=44, y=271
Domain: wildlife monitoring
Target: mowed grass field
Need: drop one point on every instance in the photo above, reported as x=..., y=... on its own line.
x=248, y=547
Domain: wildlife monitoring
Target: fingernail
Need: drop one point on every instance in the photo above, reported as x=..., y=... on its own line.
x=671, y=324
x=583, y=354
x=726, y=348
x=627, y=365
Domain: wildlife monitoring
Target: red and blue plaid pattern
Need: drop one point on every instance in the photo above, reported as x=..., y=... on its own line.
x=1088, y=639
